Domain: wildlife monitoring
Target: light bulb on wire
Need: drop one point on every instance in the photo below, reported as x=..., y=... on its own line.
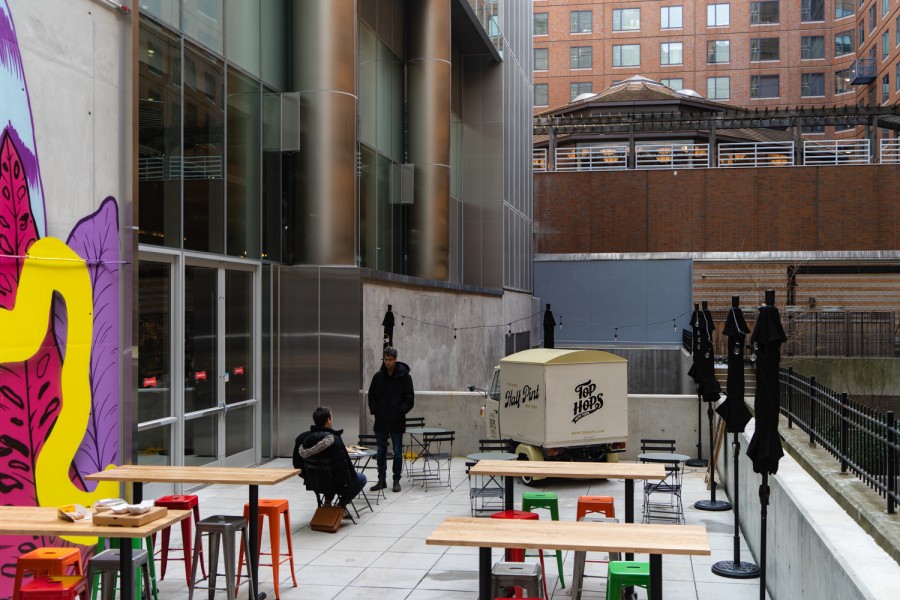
x=560, y=322
x=616, y=335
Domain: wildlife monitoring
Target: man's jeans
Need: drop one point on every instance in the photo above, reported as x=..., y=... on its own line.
x=345, y=500
x=397, y=440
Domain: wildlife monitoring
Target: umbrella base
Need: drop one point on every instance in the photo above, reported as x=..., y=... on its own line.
x=714, y=505
x=736, y=570
x=696, y=462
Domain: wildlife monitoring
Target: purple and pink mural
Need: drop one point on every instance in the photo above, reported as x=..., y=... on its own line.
x=59, y=331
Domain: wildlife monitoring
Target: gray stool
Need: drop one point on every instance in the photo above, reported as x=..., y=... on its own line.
x=519, y=574
x=580, y=556
x=225, y=528
x=106, y=565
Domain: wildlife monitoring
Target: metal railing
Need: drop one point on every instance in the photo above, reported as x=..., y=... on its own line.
x=672, y=156
x=769, y=154
x=539, y=159
x=592, y=158
x=864, y=440
x=836, y=152
x=890, y=151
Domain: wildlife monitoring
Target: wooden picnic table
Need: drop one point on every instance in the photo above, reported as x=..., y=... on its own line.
x=43, y=520
x=137, y=475
x=653, y=539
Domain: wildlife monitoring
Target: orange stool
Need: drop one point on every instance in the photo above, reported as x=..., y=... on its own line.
x=596, y=504
x=55, y=588
x=518, y=554
x=47, y=562
x=271, y=508
x=179, y=502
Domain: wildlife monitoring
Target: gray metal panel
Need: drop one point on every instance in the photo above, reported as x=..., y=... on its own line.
x=641, y=298
x=340, y=358
x=298, y=372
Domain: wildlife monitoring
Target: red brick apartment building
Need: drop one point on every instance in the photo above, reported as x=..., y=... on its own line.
x=752, y=54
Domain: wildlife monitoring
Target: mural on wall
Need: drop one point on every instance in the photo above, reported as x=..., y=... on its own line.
x=59, y=331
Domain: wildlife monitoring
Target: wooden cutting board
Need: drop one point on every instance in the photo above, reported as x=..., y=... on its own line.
x=129, y=520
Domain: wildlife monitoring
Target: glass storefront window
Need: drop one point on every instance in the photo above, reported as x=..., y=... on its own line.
x=272, y=188
x=242, y=34
x=201, y=365
x=159, y=136
x=203, y=22
x=153, y=446
x=238, y=336
x=275, y=32
x=203, y=168
x=244, y=112
x=166, y=10
x=154, y=341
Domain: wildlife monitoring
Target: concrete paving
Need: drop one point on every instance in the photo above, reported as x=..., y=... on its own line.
x=384, y=554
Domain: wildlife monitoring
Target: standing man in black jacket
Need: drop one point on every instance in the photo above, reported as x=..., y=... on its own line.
x=391, y=396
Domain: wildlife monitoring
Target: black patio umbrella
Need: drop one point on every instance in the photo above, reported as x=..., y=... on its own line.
x=736, y=415
x=710, y=391
x=549, y=325
x=765, y=446
x=695, y=373
x=388, y=324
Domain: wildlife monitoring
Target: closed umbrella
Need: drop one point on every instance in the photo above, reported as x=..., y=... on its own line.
x=710, y=391
x=694, y=373
x=388, y=324
x=736, y=415
x=765, y=446
x=549, y=325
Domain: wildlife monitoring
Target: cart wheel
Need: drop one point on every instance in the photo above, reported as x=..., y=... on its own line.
x=529, y=481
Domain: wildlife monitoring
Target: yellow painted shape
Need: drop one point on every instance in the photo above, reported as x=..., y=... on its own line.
x=23, y=329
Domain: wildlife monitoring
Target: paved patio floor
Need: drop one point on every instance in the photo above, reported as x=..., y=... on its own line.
x=384, y=555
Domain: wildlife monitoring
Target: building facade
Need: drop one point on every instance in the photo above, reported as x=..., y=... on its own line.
x=750, y=54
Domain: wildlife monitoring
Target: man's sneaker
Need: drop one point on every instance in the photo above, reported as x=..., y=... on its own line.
x=396, y=487
x=378, y=486
x=346, y=514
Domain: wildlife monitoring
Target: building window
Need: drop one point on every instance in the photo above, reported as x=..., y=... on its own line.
x=842, y=81
x=812, y=47
x=678, y=84
x=626, y=19
x=862, y=32
x=885, y=7
x=885, y=44
x=541, y=94
x=718, y=88
x=897, y=32
x=580, y=21
x=897, y=76
x=670, y=17
x=764, y=86
x=844, y=8
x=718, y=51
x=670, y=53
x=812, y=84
x=627, y=55
x=812, y=11
x=541, y=59
x=762, y=49
x=718, y=15
x=578, y=88
x=885, y=88
x=843, y=43
x=541, y=24
x=580, y=57
x=764, y=13
x=873, y=17
x=812, y=129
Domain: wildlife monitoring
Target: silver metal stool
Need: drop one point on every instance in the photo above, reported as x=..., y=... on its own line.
x=224, y=528
x=106, y=565
x=518, y=574
x=580, y=557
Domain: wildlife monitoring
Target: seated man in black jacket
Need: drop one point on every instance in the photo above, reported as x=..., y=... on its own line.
x=324, y=444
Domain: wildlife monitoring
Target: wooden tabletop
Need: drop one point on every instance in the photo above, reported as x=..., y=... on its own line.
x=572, y=535
x=569, y=470
x=200, y=474
x=42, y=520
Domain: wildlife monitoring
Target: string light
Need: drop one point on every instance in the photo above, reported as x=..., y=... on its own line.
x=674, y=325
x=510, y=329
x=454, y=333
x=560, y=322
x=616, y=335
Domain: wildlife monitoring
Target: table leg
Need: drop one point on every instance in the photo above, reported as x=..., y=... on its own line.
x=656, y=579
x=137, y=492
x=126, y=571
x=629, y=508
x=253, y=534
x=508, y=481
x=484, y=574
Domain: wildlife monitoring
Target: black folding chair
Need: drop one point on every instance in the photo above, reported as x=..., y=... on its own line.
x=670, y=487
x=328, y=482
x=487, y=493
x=435, y=456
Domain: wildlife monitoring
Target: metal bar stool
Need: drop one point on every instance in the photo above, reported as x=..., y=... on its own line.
x=55, y=588
x=47, y=562
x=625, y=574
x=506, y=575
x=222, y=528
x=588, y=506
x=271, y=508
x=106, y=565
x=548, y=501
x=136, y=545
x=179, y=502
x=518, y=554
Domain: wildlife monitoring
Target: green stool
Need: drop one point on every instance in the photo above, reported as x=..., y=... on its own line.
x=548, y=501
x=626, y=574
x=135, y=545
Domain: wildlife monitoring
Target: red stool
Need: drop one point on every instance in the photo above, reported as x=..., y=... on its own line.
x=47, y=562
x=179, y=502
x=518, y=554
x=596, y=504
x=271, y=508
x=55, y=588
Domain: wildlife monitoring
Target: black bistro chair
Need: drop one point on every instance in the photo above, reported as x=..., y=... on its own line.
x=662, y=499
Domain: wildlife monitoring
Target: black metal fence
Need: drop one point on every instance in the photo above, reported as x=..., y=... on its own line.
x=823, y=333
x=864, y=440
